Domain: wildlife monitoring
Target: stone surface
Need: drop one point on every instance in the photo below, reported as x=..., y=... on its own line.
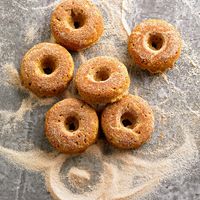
x=174, y=96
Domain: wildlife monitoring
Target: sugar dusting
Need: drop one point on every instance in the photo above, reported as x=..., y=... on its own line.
x=31, y=33
x=165, y=77
x=78, y=177
x=132, y=177
x=11, y=74
x=38, y=6
x=36, y=159
x=124, y=174
x=124, y=21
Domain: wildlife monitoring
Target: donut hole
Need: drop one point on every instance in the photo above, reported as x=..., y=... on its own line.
x=48, y=66
x=77, y=19
x=128, y=120
x=71, y=124
x=155, y=41
x=101, y=75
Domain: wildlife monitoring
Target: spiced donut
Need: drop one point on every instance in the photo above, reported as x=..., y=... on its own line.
x=128, y=123
x=76, y=24
x=71, y=126
x=102, y=80
x=46, y=69
x=155, y=45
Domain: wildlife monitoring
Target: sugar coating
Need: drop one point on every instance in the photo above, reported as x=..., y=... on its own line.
x=135, y=109
x=113, y=86
x=72, y=13
x=34, y=78
x=62, y=138
x=146, y=56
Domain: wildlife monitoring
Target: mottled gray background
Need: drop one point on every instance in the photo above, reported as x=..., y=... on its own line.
x=24, y=23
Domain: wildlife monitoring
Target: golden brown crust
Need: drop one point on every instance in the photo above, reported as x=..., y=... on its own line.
x=45, y=55
x=140, y=122
x=155, y=45
x=77, y=139
x=102, y=80
x=76, y=12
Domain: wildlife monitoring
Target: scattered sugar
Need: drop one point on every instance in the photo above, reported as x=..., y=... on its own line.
x=124, y=174
x=78, y=177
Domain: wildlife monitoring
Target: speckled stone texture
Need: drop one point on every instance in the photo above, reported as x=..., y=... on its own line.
x=174, y=96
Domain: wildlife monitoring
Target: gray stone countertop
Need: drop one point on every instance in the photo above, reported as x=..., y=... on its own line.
x=174, y=97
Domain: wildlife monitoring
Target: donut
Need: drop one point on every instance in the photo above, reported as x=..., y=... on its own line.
x=71, y=126
x=128, y=123
x=155, y=45
x=102, y=80
x=76, y=24
x=46, y=69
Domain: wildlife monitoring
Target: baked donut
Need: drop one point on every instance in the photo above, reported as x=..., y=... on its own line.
x=46, y=69
x=76, y=24
x=155, y=45
x=128, y=123
x=71, y=126
x=102, y=80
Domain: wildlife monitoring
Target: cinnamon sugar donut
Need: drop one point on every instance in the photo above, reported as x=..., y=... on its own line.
x=128, y=123
x=102, y=80
x=71, y=126
x=46, y=69
x=76, y=24
x=155, y=45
